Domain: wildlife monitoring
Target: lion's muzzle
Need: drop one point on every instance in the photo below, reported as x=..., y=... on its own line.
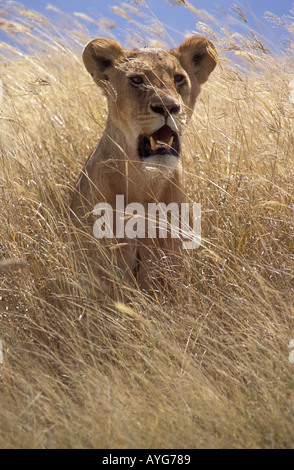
x=164, y=141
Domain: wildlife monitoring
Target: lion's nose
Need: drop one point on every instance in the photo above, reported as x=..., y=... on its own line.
x=165, y=109
x=165, y=104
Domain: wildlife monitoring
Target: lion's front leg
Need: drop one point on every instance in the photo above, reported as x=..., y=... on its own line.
x=160, y=264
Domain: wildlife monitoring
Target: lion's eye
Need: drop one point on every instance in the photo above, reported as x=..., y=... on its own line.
x=179, y=79
x=137, y=80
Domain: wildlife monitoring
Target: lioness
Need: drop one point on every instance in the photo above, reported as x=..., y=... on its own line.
x=151, y=95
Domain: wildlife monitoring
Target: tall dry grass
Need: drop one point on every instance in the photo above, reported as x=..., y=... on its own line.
x=208, y=371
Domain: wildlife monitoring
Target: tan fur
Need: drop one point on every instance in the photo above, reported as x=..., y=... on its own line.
x=115, y=167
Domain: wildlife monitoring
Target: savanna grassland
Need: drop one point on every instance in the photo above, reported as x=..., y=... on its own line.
x=204, y=370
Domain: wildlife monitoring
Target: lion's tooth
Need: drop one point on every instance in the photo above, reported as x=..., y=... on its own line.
x=170, y=141
x=152, y=143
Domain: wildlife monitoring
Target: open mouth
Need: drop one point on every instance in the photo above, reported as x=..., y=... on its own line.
x=162, y=142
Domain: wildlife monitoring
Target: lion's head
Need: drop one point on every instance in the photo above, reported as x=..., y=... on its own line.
x=151, y=93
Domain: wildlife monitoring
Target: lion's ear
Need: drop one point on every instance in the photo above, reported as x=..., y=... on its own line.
x=99, y=55
x=198, y=55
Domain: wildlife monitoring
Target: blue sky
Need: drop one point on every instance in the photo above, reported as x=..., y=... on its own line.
x=163, y=7
x=176, y=19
